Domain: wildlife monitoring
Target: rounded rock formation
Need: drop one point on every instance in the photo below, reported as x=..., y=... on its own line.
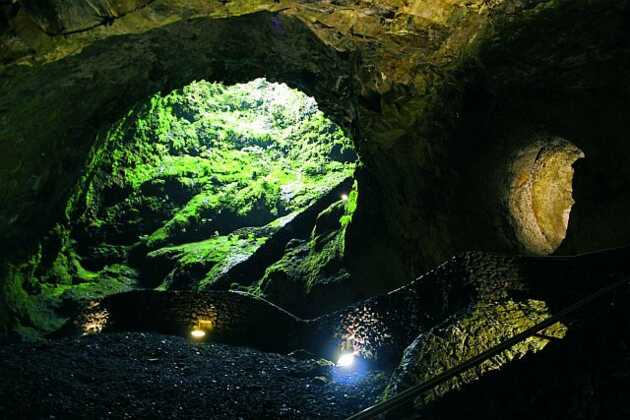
x=539, y=196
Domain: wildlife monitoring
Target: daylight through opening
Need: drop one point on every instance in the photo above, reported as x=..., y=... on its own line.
x=204, y=187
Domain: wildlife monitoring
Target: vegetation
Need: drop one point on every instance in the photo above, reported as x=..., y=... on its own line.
x=210, y=158
x=314, y=268
x=184, y=187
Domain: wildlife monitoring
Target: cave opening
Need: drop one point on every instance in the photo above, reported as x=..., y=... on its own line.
x=73, y=253
x=210, y=187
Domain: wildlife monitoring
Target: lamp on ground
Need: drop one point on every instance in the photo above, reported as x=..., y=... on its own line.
x=200, y=330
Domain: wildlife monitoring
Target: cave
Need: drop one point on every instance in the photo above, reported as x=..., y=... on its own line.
x=314, y=209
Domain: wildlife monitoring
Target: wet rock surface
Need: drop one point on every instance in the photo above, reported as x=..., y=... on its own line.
x=138, y=375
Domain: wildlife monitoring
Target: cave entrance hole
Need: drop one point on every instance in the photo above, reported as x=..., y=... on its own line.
x=204, y=187
x=83, y=257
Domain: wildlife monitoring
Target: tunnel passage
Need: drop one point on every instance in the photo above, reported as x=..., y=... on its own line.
x=539, y=195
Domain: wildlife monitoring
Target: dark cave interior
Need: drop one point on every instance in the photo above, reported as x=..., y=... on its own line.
x=301, y=209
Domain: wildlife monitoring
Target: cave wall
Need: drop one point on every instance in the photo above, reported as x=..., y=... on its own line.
x=431, y=91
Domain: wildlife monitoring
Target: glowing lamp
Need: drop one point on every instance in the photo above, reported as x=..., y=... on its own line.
x=346, y=360
x=198, y=333
x=344, y=197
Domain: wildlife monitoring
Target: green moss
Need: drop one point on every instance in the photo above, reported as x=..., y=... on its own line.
x=15, y=303
x=112, y=279
x=32, y=292
x=308, y=278
x=58, y=261
x=26, y=313
x=205, y=261
x=350, y=205
x=196, y=166
x=225, y=158
x=299, y=281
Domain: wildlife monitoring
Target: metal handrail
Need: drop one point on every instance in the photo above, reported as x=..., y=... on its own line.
x=414, y=391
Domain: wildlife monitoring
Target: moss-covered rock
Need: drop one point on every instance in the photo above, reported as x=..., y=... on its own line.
x=312, y=276
x=466, y=335
x=210, y=159
x=39, y=295
x=191, y=184
x=197, y=265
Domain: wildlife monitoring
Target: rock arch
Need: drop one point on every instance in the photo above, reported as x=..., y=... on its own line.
x=108, y=77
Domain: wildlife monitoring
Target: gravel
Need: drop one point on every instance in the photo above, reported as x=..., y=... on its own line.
x=139, y=375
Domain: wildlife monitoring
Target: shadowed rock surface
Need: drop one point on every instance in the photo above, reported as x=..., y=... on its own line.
x=585, y=375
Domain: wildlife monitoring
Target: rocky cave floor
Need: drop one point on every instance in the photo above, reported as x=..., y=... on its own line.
x=140, y=375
